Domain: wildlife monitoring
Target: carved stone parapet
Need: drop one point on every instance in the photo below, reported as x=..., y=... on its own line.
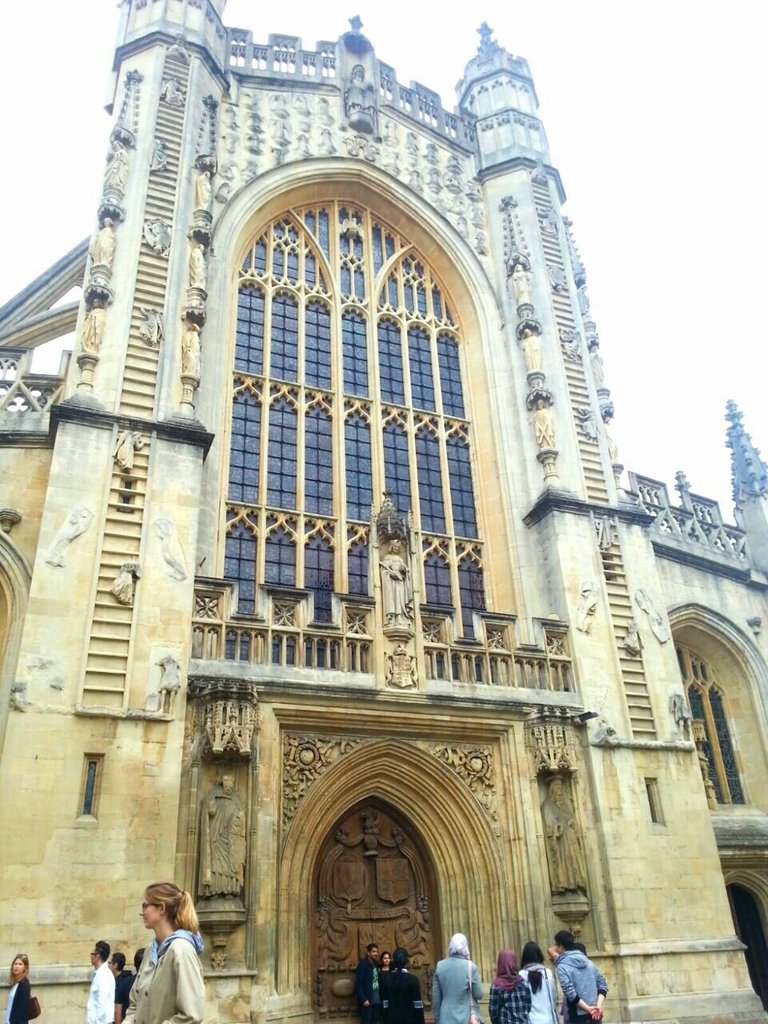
x=9, y=517
x=226, y=718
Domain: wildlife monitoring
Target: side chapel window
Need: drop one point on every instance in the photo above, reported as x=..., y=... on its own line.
x=347, y=382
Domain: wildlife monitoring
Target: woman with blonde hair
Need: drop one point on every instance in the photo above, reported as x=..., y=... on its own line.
x=169, y=986
x=17, y=1010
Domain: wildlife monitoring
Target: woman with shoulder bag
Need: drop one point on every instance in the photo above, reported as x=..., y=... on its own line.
x=456, y=986
x=539, y=977
x=18, y=1009
x=169, y=987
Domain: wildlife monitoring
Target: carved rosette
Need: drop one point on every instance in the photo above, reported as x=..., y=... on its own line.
x=473, y=764
x=305, y=759
x=226, y=718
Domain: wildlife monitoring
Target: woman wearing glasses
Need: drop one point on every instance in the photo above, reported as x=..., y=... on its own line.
x=169, y=986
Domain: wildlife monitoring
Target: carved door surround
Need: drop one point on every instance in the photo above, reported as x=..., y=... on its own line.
x=374, y=882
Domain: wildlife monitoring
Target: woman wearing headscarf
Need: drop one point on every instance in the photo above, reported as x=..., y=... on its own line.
x=539, y=977
x=401, y=1000
x=510, y=999
x=456, y=985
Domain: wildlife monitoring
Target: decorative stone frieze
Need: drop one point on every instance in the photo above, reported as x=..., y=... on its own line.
x=305, y=759
x=226, y=718
x=474, y=765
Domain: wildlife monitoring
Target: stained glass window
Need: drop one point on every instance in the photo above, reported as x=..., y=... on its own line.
x=318, y=462
x=281, y=463
x=397, y=472
x=318, y=576
x=353, y=333
x=357, y=567
x=249, y=339
x=280, y=558
x=430, y=479
x=437, y=579
x=357, y=448
x=317, y=345
x=240, y=565
x=450, y=376
x=284, y=347
x=391, y=363
x=420, y=361
x=244, y=449
x=471, y=594
x=462, y=493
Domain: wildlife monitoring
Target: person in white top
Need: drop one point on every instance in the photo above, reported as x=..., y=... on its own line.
x=543, y=997
x=101, y=998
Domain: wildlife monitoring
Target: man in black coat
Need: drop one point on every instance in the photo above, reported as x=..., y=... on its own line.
x=402, y=999
x=367, y=988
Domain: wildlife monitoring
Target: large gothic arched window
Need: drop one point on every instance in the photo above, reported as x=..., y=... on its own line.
x=347, y=382
x=707, y=701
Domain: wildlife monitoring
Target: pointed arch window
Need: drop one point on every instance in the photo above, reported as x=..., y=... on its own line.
x=282, y=458
x=471, y=594
x=317, y=345
x=437, y=580
x=318, y=462
x=319, y=576
x=280, y=558
x=244, y=449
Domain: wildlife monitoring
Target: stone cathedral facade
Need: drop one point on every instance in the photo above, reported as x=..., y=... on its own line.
x=322, y=588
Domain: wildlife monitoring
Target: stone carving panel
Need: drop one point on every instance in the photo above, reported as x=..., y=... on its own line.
x=77, y=522
x=305, y=759
x=552, y=746
x=474, y=766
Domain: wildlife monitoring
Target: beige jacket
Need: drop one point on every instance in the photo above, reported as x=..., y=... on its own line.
x=172, y=992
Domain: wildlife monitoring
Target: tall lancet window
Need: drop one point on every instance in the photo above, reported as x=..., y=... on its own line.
x=348, y=380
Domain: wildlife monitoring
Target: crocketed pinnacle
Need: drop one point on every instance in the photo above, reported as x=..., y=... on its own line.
x=749, y=475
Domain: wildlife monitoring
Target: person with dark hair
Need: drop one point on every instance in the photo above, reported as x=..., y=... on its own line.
x=510, y=998
x=138, y=956
x=17, y=1011
x=584, y=987
x=539, y=977
x=402, y=1003
x=123, y=982
x=101, y=997
x=169, y=985
x=367, y=989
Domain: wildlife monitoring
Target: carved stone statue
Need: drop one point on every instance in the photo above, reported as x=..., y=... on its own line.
x=93, y=329
x=203, y=190
x=102, y=250
x=222, y=841
x=632, y=643
x=122, y=585
x=116, y=174
x=681, y=714
x=170, y=683
x=531, y=351
x=197, y=267
x=159, y=159
x=613, y=448
x=596, y=361
x=153, y=331
x=171, y=549
x=587, y=423
x=397, y=594
x=659, y=628
x=190, y=350
x=127, y=443
x=521, y=285
x=565, y=853
x=544, y=425
x=172, y=92
x=78, y=521
x=585, y=612
x=359, y=101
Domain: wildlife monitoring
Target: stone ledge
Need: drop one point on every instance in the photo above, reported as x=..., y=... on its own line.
x=554, y=500
x=192, y=432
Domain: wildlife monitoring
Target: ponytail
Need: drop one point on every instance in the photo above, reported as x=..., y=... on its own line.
x=177, y=902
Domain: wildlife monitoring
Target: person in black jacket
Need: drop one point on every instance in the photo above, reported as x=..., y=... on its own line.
x=367, y=985
x=402, y=996
x=18, y=997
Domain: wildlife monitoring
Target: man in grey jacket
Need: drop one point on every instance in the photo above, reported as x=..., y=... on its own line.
x=584, y=987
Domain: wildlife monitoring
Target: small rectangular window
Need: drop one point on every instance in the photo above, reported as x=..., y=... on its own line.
x=654, y=801
x=91, y=785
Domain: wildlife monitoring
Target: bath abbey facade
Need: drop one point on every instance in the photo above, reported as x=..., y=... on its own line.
x=323, y=590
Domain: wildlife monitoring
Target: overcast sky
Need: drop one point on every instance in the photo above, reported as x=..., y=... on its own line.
x=655, y=115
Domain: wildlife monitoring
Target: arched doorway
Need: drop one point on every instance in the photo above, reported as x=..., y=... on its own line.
x=749, y=927
x=374, y=882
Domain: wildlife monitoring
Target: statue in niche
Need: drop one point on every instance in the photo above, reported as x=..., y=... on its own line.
x=678, y=708
x=613, y=448
x=632, y=643
x=323, y=116
x=153, y=331
x=78, y=521
x=102, y=250
x=359, y=101
x=587, y=606
x=197, y=267
x=543, y=425
x=596, y=361
x=565, y=852
x=453, y=176
x=583, y=300
x=116, y=174
x=171, y=92
x=159, y=159
x=93, y=328
x=190, y=350
x=605, y=527
x=570, y=341
x=531, y=351
x=170, y=683
x=588, y=423
x=659, y=628
x=222, y=841
x=521, y=285
x=396, y=590
x=121, y=587
x=171, y=549
x=127, y=443
x=203, y=189
x=549, y=222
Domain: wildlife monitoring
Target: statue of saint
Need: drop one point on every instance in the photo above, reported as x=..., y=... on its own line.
x=126, y=445
x=587, y=606
x=544, y=425
x=521, y=285
x=531, y=351
x=596, y=362
x=222, y=841
x=203, y=190
x=565, y=854
x=359, y=102
x=93, y=329
x=122, y=585
x=116, y=174
x=197, y=267
x=396, y=591
x=102, y=250
x=190, y=350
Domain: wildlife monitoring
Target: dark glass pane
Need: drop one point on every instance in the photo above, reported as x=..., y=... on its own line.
x=244, y=448
x=437, y=579
x=280, y=559
x=462, y=496
x=310, y=220
x=91, y=768
x=357, y=568
x=450, y=376
x=317, y=345
x=391, y=363
x=318, y=461
x=471, y=594
x=420, y=361
x=392, y=291
x=726, y=747
x=430, y=479
x=396, y=470
x=378, y=250
x=354, y=354
x=319, y=576
x=357, y=460
x=437, y=303
x=323, y=233
x=240, y=565
x=249, y=339
x=284, y=350
x=696, y=701
x=281, y=463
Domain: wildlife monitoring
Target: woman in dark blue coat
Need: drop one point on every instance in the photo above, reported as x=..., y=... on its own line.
x=17, y=1011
